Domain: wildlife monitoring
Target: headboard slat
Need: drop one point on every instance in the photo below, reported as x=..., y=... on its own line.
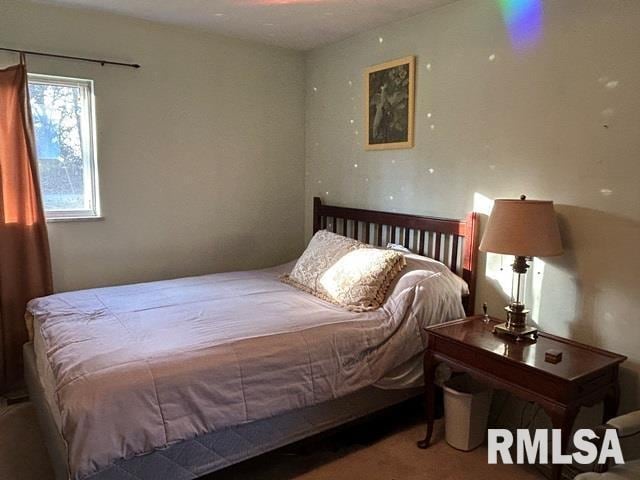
x=450, y=236
x=454, y=254
x=436, y=253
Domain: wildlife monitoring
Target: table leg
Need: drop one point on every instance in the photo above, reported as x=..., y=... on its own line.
x=611, y=403
x=562, y=418
x=430, y=396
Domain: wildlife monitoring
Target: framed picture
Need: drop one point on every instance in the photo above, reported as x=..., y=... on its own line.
x=390, y=104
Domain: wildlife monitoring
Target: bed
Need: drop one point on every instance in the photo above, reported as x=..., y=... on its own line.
x=180, y=378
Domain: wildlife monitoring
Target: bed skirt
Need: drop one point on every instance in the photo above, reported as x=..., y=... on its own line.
x=193, y=458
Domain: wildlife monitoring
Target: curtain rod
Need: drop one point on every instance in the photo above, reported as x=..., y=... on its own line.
x=67, y=57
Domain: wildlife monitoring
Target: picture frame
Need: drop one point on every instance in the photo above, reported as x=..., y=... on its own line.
x=390, y=104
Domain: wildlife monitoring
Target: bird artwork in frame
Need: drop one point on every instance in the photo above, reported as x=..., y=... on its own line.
x=389, y=94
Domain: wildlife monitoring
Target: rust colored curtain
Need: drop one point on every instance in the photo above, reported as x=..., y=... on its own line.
x=25, y=265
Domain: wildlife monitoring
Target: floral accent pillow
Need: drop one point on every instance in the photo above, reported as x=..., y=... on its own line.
x=359, y=281
x=345, y=272
x=324, y=249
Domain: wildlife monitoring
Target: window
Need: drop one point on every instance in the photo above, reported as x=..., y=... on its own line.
x=63, y=120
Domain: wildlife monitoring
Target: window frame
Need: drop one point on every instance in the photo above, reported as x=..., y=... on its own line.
x=89, y=153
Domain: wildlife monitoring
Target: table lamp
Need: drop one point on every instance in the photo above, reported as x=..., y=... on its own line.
x=523, y=228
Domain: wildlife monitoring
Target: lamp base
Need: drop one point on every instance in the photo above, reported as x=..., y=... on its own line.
x=521, y=333
x=516, y=324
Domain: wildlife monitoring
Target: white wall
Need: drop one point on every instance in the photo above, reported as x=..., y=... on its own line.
x=200, y=151
x=506, y=121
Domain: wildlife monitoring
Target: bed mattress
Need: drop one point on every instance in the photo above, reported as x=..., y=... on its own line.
x=133, y=369
x=193, y=458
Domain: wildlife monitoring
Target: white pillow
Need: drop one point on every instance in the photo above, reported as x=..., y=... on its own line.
x=398, y=247
x=419, y=267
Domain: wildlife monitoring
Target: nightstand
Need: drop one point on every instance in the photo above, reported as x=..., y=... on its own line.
x=584, y=376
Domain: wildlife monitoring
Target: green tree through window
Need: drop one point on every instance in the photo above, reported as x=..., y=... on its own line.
x=62, y=118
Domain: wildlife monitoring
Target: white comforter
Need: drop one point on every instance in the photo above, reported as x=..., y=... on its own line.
x=138, y=367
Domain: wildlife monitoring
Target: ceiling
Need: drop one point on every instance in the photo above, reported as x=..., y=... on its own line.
x=297, y=24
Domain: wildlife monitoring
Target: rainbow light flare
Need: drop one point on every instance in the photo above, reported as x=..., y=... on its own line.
x=524, y=22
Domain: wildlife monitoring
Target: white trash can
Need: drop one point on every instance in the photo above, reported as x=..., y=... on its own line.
x=466, y=412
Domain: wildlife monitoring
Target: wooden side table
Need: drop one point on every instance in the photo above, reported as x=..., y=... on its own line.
x=584, y=376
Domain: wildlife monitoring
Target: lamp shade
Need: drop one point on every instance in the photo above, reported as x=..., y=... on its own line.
x=525, y=228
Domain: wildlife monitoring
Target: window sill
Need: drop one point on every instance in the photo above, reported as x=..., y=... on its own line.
x=74, y=219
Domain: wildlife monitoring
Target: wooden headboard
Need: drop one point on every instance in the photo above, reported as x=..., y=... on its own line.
x=452, y=242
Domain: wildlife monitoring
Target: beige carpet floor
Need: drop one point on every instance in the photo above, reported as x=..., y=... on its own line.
x=382, y=448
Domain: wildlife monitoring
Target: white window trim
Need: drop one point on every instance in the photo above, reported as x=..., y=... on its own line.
x=90, y=170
